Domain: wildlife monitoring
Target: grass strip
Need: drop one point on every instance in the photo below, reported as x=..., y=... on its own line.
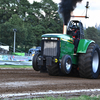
x=15, y=66
x=84, y=97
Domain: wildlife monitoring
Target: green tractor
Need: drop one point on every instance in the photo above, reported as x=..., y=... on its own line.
x=59, y=55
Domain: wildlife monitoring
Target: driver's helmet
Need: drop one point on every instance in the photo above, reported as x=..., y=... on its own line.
x=73, y=27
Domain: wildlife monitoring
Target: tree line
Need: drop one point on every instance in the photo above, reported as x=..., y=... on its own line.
x=93, y=34
x=31, y=21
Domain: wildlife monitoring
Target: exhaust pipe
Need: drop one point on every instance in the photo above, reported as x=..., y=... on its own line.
x=64, y=29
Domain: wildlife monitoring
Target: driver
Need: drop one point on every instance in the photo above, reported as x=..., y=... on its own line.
x=76, y=37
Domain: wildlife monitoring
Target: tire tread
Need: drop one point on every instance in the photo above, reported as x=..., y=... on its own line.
x=85, y=62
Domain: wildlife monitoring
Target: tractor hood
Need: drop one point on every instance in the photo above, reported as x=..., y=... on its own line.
x=66, y=44
x=63, y=37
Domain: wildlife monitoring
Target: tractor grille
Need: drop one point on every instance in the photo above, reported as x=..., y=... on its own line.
x=50, y=48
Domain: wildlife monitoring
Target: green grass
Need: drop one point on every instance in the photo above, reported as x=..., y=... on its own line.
x=63, y=98
x=15, y=66
x=85, y=98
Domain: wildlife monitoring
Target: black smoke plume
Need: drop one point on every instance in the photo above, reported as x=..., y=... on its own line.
x=65, y=9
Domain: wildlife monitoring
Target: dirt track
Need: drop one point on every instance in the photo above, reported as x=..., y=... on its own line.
x=28, y=80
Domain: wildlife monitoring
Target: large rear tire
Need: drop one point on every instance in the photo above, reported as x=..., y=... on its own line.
x=53, y=70
x=89, y=62
x=35, y=65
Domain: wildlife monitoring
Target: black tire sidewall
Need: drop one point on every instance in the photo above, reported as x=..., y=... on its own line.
x=63, y=64
x=34, y=62
x=96, y=48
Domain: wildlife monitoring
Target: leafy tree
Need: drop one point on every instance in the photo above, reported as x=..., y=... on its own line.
x=38, y=31
x=23, y=8
x=15, y=20
x=6, y=33
x=30, y=20
x=10, y=7
x=30, y=38
x=92, y=33
x=21, y=33
x=51, y=19
x=44, y=19
x=7, y=8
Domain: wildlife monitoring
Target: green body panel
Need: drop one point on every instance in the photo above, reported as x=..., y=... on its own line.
x=68, y=48
x=66, y=45
x=83, y=45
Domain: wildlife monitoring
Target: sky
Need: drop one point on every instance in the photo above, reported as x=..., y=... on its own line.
x=93, y=12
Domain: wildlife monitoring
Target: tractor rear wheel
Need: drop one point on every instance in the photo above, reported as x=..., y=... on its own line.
x=53, y=70
x=89, y=66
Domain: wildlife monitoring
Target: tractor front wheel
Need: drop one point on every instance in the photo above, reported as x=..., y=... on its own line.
x=35, y=65
x=66, y=64
x=89, y=66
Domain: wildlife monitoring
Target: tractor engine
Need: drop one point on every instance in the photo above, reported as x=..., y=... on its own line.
x=50, y=50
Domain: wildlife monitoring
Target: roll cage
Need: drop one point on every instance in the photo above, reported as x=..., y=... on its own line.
x=75, y=24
